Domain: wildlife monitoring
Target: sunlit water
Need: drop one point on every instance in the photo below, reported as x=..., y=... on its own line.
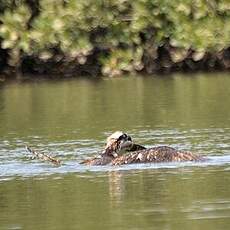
x=71, y=119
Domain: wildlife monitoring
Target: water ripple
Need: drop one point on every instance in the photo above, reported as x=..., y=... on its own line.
x=16, y=161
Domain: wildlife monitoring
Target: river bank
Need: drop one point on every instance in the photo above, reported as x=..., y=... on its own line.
x=111, y=38
x=62, y=66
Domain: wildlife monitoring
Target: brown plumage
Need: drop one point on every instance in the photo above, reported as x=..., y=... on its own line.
x=121, y=150
x=156, y=155
x=117, y=143
x=135, y=147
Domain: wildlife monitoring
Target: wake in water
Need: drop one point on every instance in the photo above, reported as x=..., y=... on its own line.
x=121, y=150
x=11, y=170
x=14, y=162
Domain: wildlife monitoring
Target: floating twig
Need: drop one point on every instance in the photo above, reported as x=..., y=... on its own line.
x=43, y=156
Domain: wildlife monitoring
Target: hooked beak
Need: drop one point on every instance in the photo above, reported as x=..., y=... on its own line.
x=116, y=148
x=126, y=145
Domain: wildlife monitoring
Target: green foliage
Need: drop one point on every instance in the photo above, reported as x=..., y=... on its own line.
x=125, y=29
x=14, y=33
x=14, y=28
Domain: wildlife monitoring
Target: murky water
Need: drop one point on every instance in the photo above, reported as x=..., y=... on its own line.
x=72, y=118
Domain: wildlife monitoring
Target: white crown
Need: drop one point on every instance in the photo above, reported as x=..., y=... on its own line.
x=115, y=135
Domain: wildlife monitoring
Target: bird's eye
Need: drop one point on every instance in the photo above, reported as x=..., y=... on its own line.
x=123, y=136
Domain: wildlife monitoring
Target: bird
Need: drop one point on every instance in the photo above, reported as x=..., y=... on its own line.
x=120, y=150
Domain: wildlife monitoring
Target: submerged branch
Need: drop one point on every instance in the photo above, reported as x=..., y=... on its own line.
x=43, y=156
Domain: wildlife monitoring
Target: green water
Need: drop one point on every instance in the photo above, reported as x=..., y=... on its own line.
x=72, y=119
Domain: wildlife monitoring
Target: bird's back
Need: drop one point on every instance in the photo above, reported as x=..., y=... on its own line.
x=156, y=154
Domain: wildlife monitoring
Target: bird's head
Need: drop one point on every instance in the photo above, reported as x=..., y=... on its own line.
x=117, y=143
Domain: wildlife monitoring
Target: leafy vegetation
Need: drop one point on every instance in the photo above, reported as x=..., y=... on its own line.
x=115, y=36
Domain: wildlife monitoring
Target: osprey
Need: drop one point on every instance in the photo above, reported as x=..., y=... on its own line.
x=120, y=150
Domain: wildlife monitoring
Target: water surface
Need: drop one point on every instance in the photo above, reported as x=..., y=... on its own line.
x=72, y=118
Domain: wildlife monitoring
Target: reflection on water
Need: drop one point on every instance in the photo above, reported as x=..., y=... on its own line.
x=79, y=109
x=179, y=198
x=72, y=118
